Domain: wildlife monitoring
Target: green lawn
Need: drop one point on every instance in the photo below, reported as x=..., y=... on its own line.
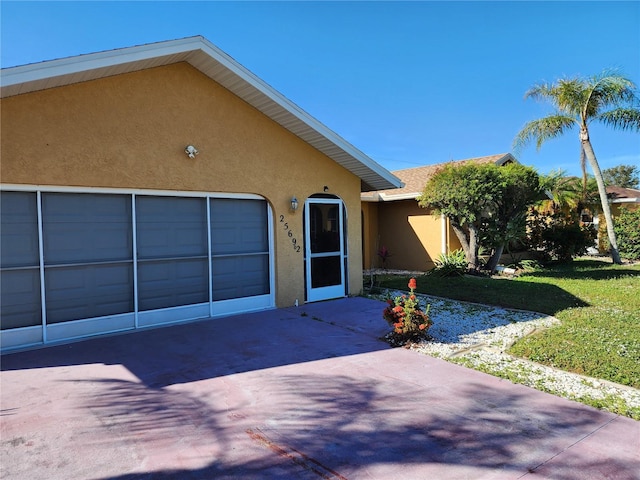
x=598, y=305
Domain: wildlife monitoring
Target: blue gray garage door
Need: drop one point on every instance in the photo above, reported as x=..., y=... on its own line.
x=79, y=264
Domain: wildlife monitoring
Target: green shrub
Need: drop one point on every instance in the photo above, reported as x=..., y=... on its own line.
x=451, y=264
x=559, y=236
x=627, y=228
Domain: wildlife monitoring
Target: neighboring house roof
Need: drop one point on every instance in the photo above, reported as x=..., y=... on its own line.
x=218, y=66
x=415, y=179
x=623, y=195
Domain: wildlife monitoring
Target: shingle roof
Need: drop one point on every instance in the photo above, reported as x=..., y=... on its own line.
x=621, y=194
x=415, y=179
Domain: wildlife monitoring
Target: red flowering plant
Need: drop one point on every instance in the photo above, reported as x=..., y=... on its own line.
x=404, y=314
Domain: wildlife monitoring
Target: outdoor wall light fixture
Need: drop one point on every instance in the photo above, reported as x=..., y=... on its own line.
x=326, y=188
x=191, y=151
x=294, y=204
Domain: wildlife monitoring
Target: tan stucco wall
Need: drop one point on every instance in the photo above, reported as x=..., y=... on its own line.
x=453, y=243
x=370, y=238
x=412, y=235
x=129, y=131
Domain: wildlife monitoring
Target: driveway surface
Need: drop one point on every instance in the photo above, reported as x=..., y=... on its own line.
x=297, y=393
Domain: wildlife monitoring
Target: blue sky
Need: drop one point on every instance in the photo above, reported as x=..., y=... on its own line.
x=408, y=83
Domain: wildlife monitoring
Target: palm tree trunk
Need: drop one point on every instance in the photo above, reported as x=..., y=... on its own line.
x=606, y=209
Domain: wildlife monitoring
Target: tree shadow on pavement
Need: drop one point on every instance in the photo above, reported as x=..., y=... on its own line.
x=338, y=427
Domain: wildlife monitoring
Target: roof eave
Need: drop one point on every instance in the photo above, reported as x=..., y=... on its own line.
x=220, y=67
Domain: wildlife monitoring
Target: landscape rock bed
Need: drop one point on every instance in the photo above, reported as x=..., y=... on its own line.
x=478, y=336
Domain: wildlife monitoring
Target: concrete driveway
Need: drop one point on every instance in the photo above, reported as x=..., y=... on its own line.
x=297, y=393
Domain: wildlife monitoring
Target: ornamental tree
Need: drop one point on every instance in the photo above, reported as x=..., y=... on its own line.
x=482, y=200
x=519, y=188
x=462, y=194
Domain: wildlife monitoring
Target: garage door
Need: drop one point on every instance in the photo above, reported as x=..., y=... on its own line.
x=80, y=264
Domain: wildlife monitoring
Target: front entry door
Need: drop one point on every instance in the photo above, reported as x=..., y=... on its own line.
x=324, y=249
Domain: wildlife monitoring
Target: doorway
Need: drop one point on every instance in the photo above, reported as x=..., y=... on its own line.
x=324, y=249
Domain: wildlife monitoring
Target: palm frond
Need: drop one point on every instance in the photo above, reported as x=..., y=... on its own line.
x=571, y=94
x=622, y=118
x=608, y=89
x=543, y=129
x=541, y=91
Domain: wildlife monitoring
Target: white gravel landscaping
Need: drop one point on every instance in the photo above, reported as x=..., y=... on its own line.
x=477, y=336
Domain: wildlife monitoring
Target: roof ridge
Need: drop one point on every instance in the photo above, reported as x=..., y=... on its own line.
x=497, y=155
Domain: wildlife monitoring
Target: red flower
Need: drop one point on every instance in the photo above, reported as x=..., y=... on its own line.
x=412, y=283
x=422, y=326
x=397, y=309
x=412, y=297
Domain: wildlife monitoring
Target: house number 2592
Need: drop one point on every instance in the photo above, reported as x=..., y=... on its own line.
x=294, y=241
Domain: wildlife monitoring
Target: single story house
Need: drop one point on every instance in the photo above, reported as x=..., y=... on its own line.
x=620, y=197
x=164, y=183
x=414, y=236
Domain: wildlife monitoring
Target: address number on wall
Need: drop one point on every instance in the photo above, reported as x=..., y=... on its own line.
x=294, y=240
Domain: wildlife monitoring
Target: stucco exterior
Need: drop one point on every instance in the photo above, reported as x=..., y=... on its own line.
x=414, y=236
x=129, y=132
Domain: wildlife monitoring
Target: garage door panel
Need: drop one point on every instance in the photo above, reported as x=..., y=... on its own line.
x=172, y=283
x=20, y=303
x=171, y=227
x=240, y=276
x=19, y=229
x=92, y=273
x=88, y=291
x=239, y=226
x=20, y=298
x=80, y=228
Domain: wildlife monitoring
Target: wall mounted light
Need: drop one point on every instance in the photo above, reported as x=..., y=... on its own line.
x=191, y=151
x=294, y=204
x=326, y=188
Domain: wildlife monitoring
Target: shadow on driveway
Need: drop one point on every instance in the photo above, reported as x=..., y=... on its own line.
x=301, y=393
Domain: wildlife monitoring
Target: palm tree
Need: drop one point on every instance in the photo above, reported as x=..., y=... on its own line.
x=608, y=98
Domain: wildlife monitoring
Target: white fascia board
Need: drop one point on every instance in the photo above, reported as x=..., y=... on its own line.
x=370, y=198
x=505, y=159
x=23, y=75
x=625, y=200
x=385, y=197
x=302, y=115
x=92, y=61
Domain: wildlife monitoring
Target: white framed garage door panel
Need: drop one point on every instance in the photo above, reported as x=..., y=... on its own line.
x=85, y=272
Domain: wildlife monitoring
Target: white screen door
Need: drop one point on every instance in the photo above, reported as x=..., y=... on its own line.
x=324, y=249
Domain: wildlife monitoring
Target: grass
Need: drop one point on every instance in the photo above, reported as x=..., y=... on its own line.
x=597, y=303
